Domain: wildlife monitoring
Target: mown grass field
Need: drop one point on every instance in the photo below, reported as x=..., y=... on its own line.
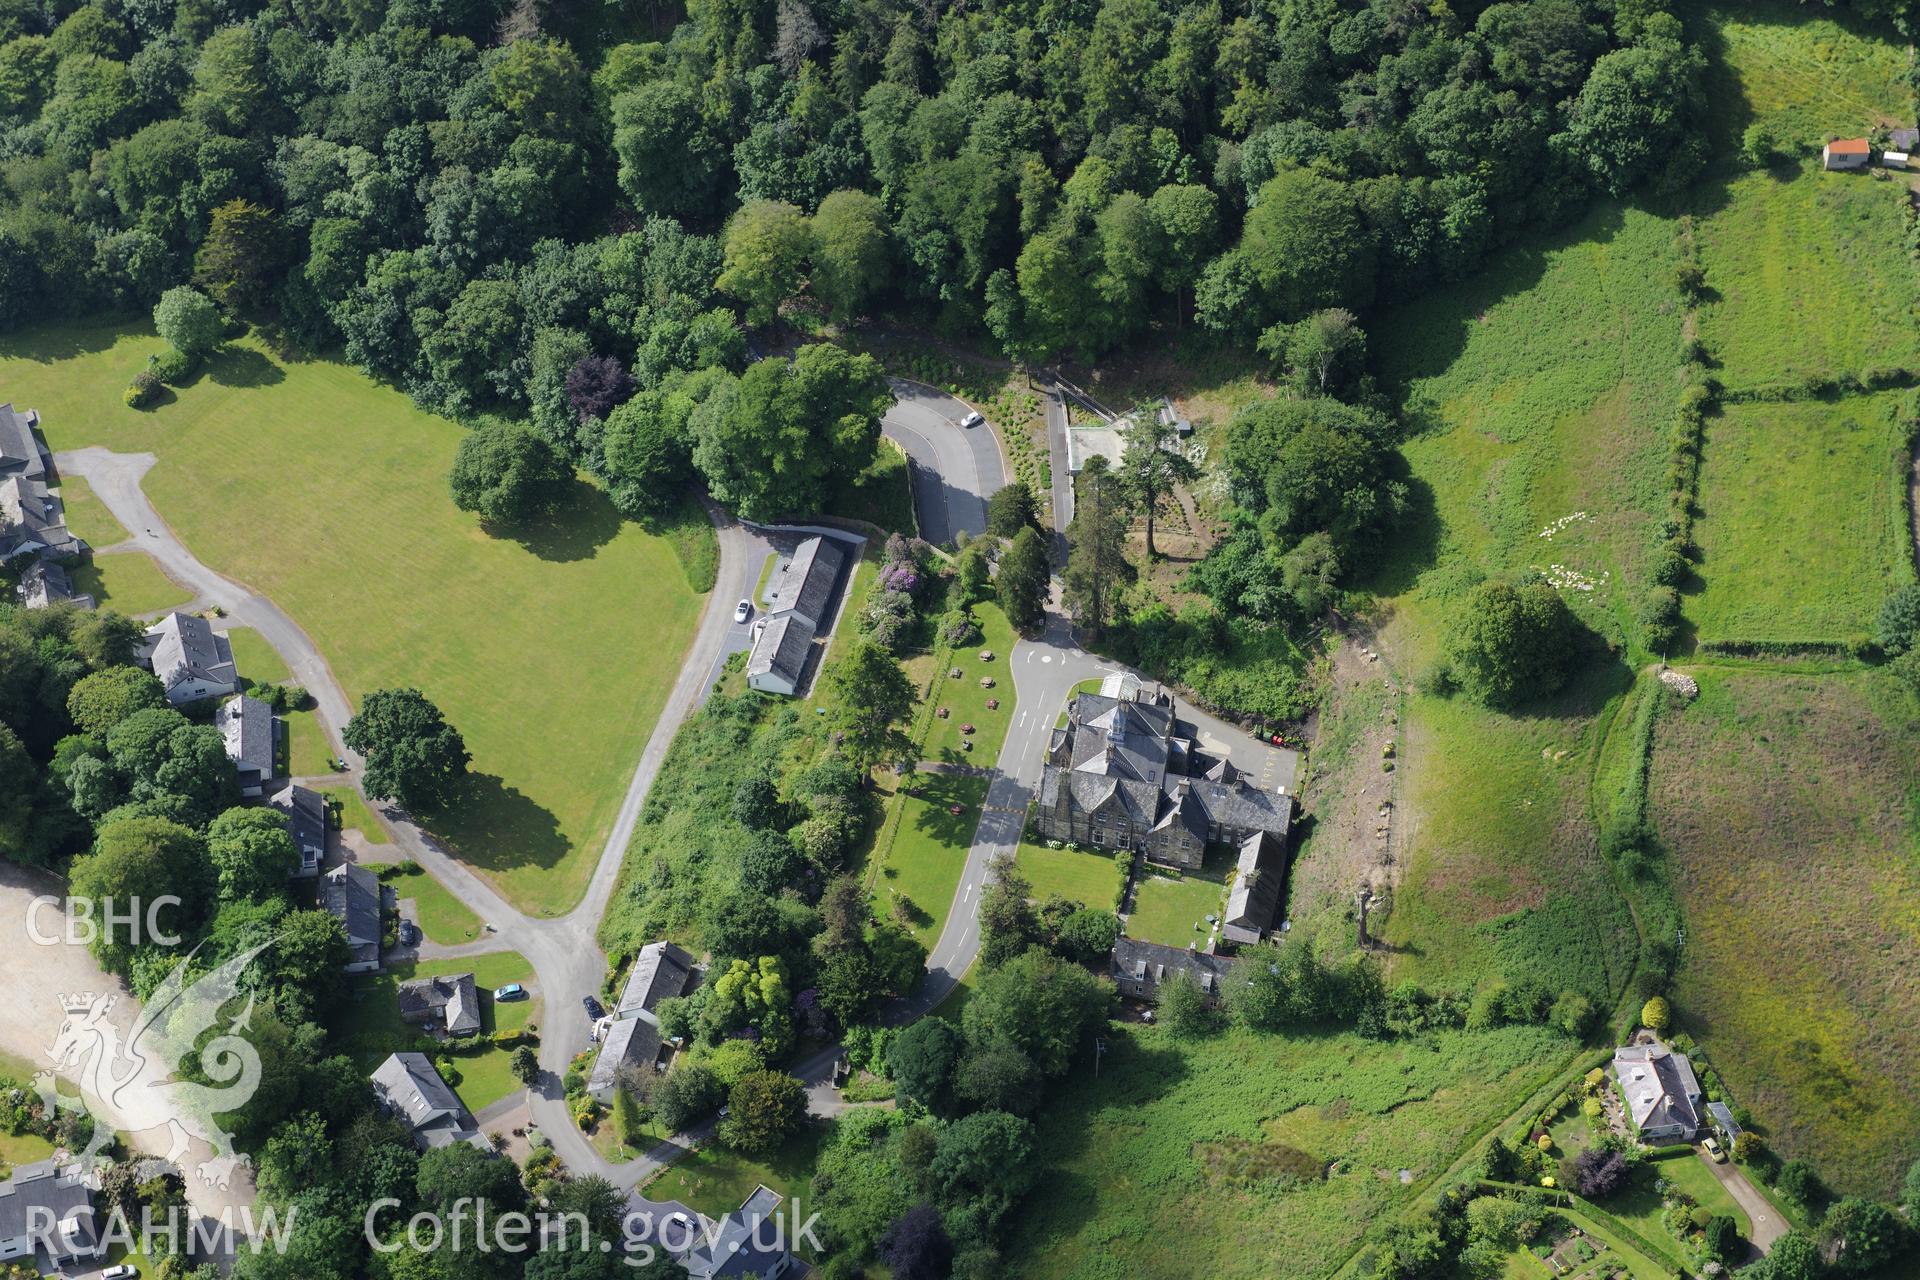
x=1789, y=803
x=129, y=582
x=966, y=702
x=1172, y=1161
x=440, y=915
x=1173, y=909
x=923, y=857
x=328, y=493
x=372, y=1027
x=1809, y=278
x=1803, y=518
x=1089, y=876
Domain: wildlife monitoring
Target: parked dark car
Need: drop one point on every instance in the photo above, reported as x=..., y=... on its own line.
x=592, y=1006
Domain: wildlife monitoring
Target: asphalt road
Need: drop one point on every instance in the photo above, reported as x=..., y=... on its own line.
x=955, y=469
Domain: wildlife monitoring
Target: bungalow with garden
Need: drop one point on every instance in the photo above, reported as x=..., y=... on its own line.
x=356, y=897
x=247, y=725
x=632, y=1042
x=1139, y=968
x=193, y=661
x=306, y=813
x=1661, y=1094
x=48, y=1208
x=450, y=1004
x=45, y=583
x=410, y=1089
x=1126, y=773
x=799, y=607
x=748, y=1242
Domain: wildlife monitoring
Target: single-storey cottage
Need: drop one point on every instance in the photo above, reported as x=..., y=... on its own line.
x=247, y=724
x=1139, y=968
x=306, y=813
x=632, y=1042
x=1660, y=1091
x=450, y=1004
x=410, y=1089
x=192, y=660
x=778, y=662
x=45, y=583
x=356, y=897
x=48, y=1208
x=1125, y=773
x=1846, y=153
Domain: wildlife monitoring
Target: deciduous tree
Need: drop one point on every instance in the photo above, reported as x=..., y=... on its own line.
x=413, y=755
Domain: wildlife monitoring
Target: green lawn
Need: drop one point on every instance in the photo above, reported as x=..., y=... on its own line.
x=17, y=1149
x=924, y=849
x=87, y=516
x=1810, y=278
x=716, y=1181
x=354, y=814
x=1175, y=911
x=440, y=915
x=1803, y=525
x=1692, y=1176
x=327, y=492
x=966, y=702
x=1640, y=1208
x=372, y=1028
x=1086, y=875
x=1158, y=1165
x=129, y=582
x=258, y=661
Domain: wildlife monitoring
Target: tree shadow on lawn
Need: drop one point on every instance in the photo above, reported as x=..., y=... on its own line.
x=586, y=521
x=495, y=827
x=233, y=366
x=938, y=793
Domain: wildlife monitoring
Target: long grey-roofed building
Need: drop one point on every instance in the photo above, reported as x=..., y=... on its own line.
x=779, y=659
x=410, y=1089
x=247, y=725
x=804, y=585
x=660, y=972
x=20, y=450
x=1255, y=894
x=306, y=812
x=355, y=895
x=191, y=659
x=1125, y=773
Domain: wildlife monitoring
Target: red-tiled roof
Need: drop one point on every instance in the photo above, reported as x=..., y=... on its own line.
x=1848, y=146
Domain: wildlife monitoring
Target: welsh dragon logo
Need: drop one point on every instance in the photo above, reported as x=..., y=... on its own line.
x=134, y=1086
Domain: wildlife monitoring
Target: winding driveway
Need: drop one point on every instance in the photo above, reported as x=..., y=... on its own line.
x=566, y=958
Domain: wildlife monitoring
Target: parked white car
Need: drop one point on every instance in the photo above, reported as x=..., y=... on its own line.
x=973, y=420
x=743, y=611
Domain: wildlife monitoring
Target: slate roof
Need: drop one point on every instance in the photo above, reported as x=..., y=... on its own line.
x=453, y=1002
x=1138, y=755
x=20, y=450
x=352, y=894
x=1903, y=140
x=408, y=1086
x=629, y=1044
x=1723, y=1116
x=247, y=725
x=1659, y=1086
x=39, y=1192
x=782, y=648
x=30, y=514
x=1256, y=886
x=741, y=1247
x=804, y=585
x=186, y=647
x=1151, y=962
x=45, y=583
x=660, y=972
x=306, y=821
